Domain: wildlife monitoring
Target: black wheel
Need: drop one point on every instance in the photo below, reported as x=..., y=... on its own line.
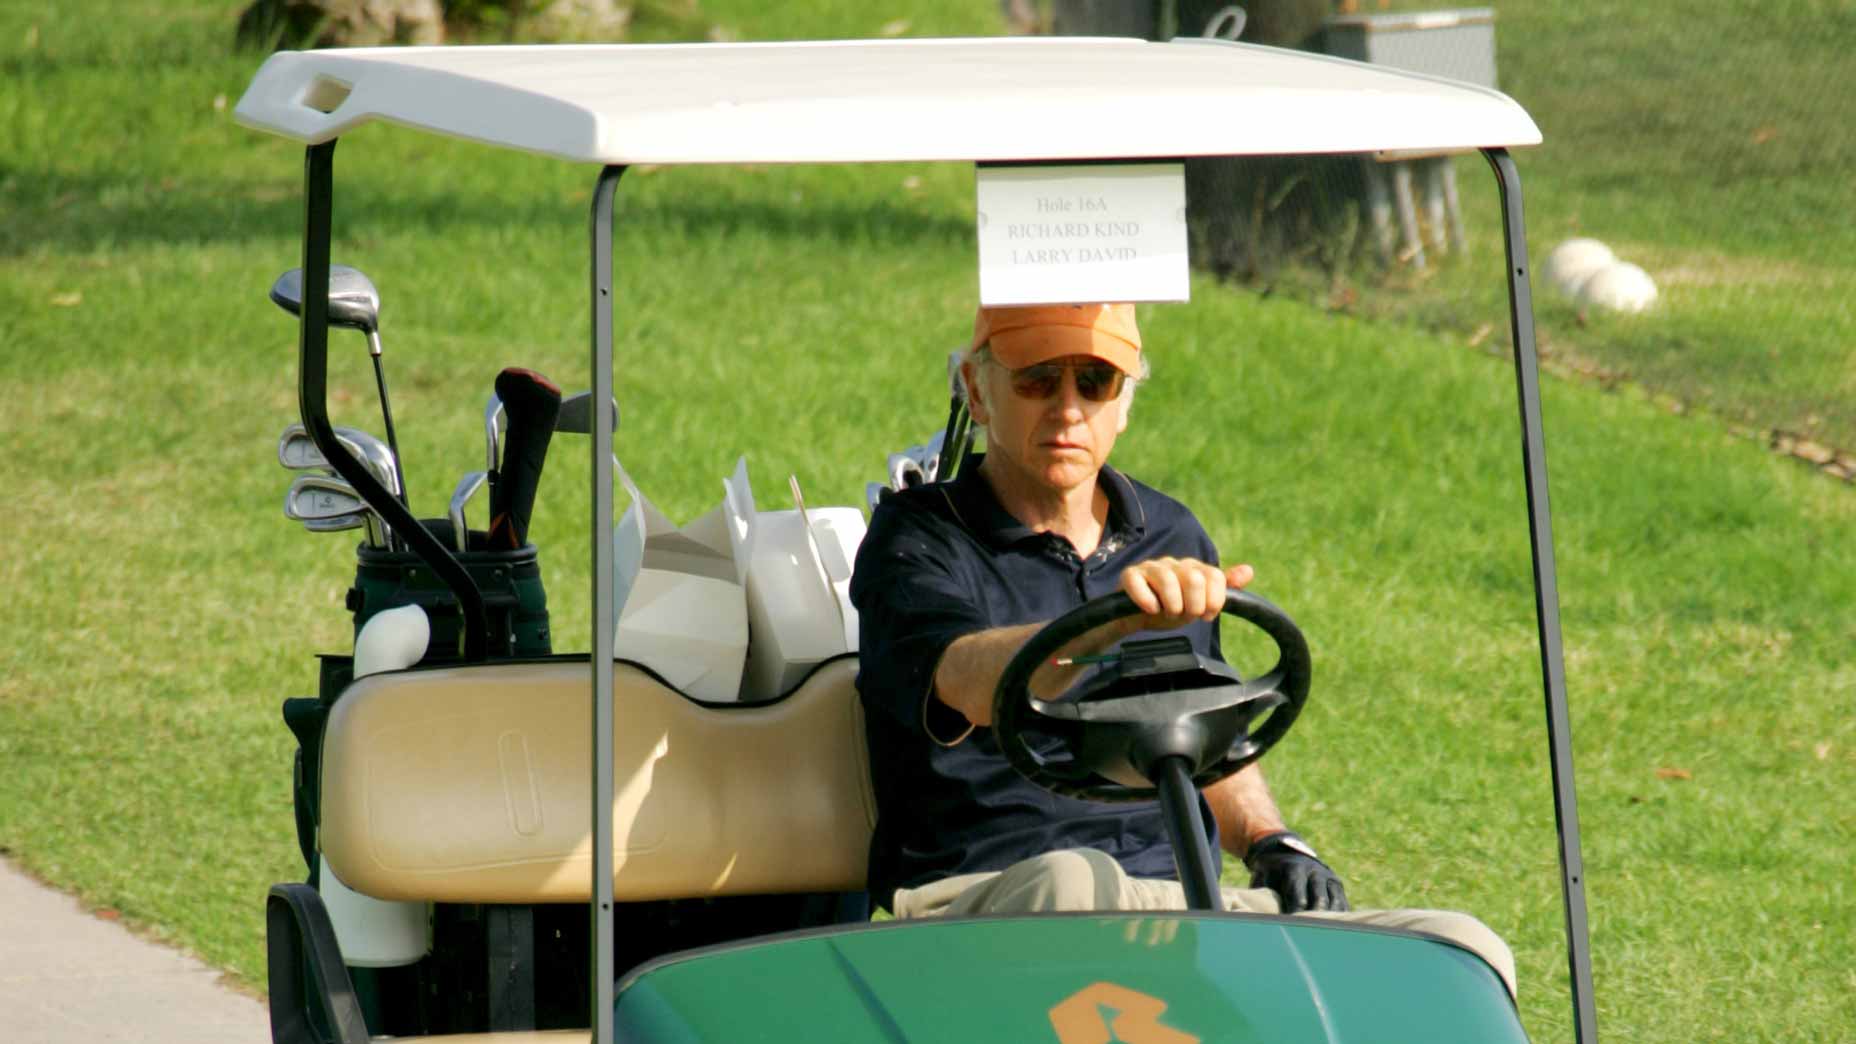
x=1103, y=739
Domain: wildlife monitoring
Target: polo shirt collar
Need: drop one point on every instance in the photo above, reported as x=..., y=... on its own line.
x=979, y=510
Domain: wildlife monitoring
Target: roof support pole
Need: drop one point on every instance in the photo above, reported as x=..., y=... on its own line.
x=605, y=612
x=312, y=400
x=1546, y=596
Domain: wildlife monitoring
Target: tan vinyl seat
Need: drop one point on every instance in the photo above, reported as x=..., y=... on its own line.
x=472, y=785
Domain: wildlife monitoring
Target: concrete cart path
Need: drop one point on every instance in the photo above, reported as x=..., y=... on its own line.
x=68, y=976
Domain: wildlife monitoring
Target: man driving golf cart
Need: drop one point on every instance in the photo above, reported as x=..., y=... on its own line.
x=951, y=581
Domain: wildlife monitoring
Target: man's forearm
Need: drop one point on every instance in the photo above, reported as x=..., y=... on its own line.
x=970, y=668
x=1170, y=592
x=1244, y=809
x=969, y=671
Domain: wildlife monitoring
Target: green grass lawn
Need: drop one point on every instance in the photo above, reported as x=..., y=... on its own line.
x=160, y=607
x=1709, y=144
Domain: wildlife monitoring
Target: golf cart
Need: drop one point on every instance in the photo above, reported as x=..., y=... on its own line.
x=530, y=845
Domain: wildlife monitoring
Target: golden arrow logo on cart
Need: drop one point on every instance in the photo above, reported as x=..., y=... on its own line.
x=1081, y=1018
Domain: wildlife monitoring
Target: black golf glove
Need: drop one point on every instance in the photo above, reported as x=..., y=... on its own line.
x=1283, y=863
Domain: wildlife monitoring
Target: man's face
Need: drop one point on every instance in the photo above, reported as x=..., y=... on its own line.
x=1055, y=444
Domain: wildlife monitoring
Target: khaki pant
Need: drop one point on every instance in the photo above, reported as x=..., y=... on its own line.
x=1080, y=879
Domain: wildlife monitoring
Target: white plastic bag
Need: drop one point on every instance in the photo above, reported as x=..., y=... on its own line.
x=683, y=612
x=797, y=571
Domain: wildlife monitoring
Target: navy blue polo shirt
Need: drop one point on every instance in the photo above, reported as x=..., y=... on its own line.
x=947, y=560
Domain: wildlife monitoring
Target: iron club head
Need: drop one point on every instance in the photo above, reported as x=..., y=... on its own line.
x=492, y=426
x=336, y=524
x=320, y=498
x=298, y=452
x=467, y=488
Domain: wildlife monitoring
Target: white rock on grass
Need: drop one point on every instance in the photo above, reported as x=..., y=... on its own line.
x=1573, y=262
x=1619, y=287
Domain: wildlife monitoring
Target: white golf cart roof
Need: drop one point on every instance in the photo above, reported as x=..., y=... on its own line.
x=1007, y=98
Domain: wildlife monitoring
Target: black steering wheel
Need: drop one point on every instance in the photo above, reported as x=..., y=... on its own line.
x=1158, y=699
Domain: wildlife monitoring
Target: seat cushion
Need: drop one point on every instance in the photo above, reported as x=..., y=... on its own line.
x=472, y=785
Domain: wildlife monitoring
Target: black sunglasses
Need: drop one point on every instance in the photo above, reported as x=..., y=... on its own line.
x=1095, y=381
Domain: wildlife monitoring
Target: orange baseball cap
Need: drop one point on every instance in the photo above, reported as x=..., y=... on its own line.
x=1025, y=335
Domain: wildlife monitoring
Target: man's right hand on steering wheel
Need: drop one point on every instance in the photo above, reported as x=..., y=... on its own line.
x=1174, y=592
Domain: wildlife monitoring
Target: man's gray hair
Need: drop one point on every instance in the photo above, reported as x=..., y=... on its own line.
x=982, y=354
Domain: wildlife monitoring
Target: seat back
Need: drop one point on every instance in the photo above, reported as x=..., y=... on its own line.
x=473, y=785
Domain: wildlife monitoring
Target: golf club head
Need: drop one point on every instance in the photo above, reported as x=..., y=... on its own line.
x=353, y=301
x=336, y=524
x=492, y=424
x=576, y=414
x=376, y=529
x=904, y=471
x=930, y=457
x=467, y=488
x=298, y=452
x=875, y=493
x=373, y=453
x=532, y=403
x=321, y=496
x=324, y=503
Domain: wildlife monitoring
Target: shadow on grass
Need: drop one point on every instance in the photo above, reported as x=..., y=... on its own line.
x=79, y=214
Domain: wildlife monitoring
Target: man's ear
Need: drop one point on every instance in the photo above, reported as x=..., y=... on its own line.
x=976, y=404
x=1121, y=420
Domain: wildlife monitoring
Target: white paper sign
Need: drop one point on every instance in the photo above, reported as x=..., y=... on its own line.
x=1067, y=235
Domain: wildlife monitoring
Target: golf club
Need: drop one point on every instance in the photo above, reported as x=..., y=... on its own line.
x=296, y=451
x=875, y=493
x=929, y=456
x=904, y=472
x=354, y=303
x=467, y=488
x=956, y=441
x=576, y=417
x=336, y=524
x=313, y=498
x=320, y=496
x=492, y=422
x=533, y=404
x=957, y=437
